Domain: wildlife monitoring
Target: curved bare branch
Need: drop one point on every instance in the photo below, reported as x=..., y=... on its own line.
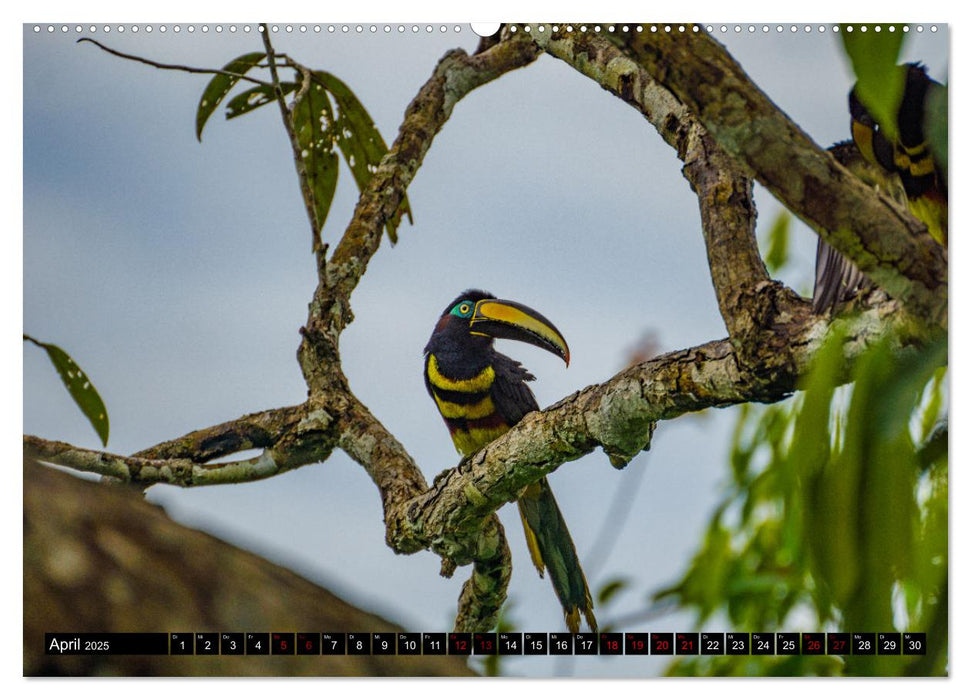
x=263, y=429
x=303, y=435
x=173, y=66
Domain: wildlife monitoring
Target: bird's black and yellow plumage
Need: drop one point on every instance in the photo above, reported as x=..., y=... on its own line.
x=837, y=278
x=480, y=394
x=908, y=154
x=903, y=162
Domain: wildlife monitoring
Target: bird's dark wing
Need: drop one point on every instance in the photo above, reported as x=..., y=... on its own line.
x=511, y=396
x=837, y=279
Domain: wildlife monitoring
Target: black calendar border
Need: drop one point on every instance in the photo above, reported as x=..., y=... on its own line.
x=479, y=644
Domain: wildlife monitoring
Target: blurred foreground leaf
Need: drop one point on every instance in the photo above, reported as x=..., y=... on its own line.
x=879, y=81
x=835, y=512
x=777, y=254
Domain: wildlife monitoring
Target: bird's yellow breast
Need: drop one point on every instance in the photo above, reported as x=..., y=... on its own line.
x=471, y=411
x=473, y=385
x=467, y=407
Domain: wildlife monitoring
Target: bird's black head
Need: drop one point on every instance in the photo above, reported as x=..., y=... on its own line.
x=470, y=296
x=475, y=318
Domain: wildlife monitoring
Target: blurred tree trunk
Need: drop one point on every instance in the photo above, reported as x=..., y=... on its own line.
x=100, y=559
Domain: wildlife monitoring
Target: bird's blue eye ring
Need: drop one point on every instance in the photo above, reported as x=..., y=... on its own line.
x=463, y=309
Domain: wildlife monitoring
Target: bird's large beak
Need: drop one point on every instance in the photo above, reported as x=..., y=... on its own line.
x=498, y=318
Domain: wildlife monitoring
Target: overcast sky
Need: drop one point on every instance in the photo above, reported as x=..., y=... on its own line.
x=177, y=274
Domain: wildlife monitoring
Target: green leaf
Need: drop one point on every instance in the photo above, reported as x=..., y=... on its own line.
x=831, y=511
x=220, y=85
x=935, y=124
x=249, y=100
x=359, y=141
x=810, y=442
x=79, y=386
x=313, y=124
x=879, y=81
x=934, y=448
x=611, y=589
x=822, y=494
x=934, y=393
x=888, y=389
x=778, y=254
x=361, y=136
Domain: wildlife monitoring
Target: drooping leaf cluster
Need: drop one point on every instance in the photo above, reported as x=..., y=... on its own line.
x=326, y=118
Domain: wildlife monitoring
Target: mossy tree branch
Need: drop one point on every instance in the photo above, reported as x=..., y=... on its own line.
x=687, y=83
x=884, y=240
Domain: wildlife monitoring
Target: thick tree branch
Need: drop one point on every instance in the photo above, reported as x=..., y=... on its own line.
x=370, y=444
x=484, y=593
x=300, y=435
x=888, y=244
x=601, y=60
x=687, y=83
x=724, y=193
x=146, y=472
x=728, y=224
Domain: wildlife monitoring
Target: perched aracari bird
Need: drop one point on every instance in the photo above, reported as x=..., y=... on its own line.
x=909, y=155
x=481, y=394
x=906, y=160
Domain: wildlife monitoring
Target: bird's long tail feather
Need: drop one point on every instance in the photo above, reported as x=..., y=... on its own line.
x=552, y=548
